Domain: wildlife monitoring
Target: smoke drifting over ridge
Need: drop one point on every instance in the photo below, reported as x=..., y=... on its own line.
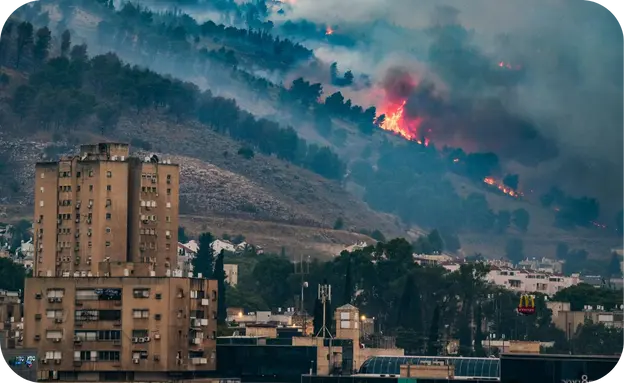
x=557, y=93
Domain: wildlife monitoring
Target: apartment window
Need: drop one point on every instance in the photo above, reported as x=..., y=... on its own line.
x=109, y=202
x=109, y=187
x=168, y=191
x=141, y=293
x=140, y=333
x=108, y=216
x=139, y=355
x=107, y=243
x=54, y=314
x=90, y=187
x=78, y=188
x=41, y=203
x=42, y=175
x=140, y=313
x=77, y=174
x=42, y=189
x=56, y=293
x=109, y=335
x=86, y=335
x=109, y=356
x=86, y=315
x=168, y=218
x=53, y=355
x=168, y=205
x=110, y=315
x=154, y=189
x=168, y=234
x=108, y=229
x=90, y=173
x=85, y=356
x=109, y=174
x=54, y=334
x=167, y=246
x=90, y=244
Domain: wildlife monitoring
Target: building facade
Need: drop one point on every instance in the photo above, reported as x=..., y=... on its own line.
x=525, y=281
x=104, y=205
x=129, y=325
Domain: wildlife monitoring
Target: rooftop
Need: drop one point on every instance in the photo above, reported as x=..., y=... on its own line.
x=465, y=368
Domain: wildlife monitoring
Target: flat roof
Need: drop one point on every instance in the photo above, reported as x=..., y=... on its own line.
x=558, y=356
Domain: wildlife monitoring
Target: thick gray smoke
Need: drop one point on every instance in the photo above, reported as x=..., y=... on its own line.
x=568, y=55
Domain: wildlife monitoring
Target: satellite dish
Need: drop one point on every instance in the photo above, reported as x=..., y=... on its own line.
x=154, y=159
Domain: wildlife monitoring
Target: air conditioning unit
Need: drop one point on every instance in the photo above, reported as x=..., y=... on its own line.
x=156, y=358
x=196, y=341
x=157, y=336
x=57, y=361
x=77, y=339
x=204, y=322
x=146, y=339
x=141, y=340
x=58, y=320
x=44, y=361
x=135, y=340
x=135, y=361
x=56, y=340
x=51, y=299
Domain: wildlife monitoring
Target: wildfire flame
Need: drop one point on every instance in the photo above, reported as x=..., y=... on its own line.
x=394, y=122
x=329, y=31
x=502, y=187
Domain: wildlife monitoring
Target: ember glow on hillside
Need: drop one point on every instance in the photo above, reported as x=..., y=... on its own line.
x=398, y=123
x=329, y=31
x=502, y=187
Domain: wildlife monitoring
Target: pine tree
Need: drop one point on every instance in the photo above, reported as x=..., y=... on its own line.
x=219, y=275
x=41, y=49
x=24, y=40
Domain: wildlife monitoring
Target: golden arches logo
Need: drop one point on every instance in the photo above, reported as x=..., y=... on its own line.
x=527, y=305
x=527, y=301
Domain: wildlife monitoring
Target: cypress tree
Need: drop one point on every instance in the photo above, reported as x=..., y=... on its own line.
x=348, y=291
x=219, y=275
x=434, y=333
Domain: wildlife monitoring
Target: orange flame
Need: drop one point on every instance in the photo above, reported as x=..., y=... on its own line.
x=396, y=123
x=329, y=31
x=502, y=187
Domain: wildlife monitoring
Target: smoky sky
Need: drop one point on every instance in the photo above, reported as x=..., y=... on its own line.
x=566, y=100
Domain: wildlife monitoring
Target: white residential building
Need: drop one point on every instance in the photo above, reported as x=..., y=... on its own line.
x=525, y=281
x=219, y=245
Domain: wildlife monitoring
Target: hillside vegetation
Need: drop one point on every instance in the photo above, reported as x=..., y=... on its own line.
x=236, y=164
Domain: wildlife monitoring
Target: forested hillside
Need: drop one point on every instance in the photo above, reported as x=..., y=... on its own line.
x=55, y=86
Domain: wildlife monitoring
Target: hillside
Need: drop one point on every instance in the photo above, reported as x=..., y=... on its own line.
x=286, y=180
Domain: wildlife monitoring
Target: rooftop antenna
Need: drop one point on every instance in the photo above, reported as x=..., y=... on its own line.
x=302, y=268
x=324, y=295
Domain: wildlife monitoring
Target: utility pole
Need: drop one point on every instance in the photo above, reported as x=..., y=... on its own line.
x=302, y=268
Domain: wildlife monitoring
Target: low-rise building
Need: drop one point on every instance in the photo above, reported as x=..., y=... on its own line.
x=525, y=281
x=231, y=273
x=569, y=321
x=546, y=265
x=221, y=245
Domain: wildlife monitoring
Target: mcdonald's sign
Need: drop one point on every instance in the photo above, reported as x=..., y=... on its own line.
x=527, y=305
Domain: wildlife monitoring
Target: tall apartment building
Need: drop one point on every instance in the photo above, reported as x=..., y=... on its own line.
x=105, y=205
x=102, y=304
x=127, y=326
